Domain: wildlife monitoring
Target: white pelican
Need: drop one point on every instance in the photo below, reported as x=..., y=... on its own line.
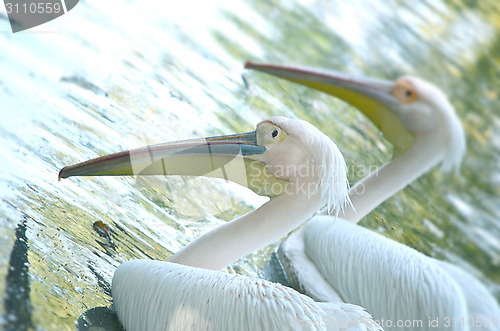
x=338, y=261
x=306, y=168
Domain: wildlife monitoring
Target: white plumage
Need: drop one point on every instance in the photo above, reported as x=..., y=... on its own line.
x=392, y=281
x=190, y=294
x=156, y=295
x=333, y=260
x=338, y=261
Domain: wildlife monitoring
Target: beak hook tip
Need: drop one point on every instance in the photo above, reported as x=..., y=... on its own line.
x=61, y=174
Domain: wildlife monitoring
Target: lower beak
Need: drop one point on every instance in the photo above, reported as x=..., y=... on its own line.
x=371, y=96
x=234, y=157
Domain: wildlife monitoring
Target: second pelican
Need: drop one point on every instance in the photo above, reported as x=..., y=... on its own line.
x=336, y=261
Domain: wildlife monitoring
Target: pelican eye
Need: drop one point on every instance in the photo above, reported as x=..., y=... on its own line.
x=404, y=91
x=275, y=133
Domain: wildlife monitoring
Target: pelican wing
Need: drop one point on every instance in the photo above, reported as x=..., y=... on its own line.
x=156, y=295
x=392, y=281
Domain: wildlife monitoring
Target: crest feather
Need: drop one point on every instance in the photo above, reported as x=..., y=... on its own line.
x=329, y=168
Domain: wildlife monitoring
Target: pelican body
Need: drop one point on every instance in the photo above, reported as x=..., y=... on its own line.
x=188, y=292
x=332, y=260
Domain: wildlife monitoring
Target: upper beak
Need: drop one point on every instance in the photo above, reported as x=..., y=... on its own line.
x=372, y=97
x=234, y=157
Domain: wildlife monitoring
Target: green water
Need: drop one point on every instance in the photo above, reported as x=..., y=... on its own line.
x=114, y=75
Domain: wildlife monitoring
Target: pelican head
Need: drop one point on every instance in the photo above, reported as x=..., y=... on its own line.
x=278, y=153
x=406, y=110
x=296, y=150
